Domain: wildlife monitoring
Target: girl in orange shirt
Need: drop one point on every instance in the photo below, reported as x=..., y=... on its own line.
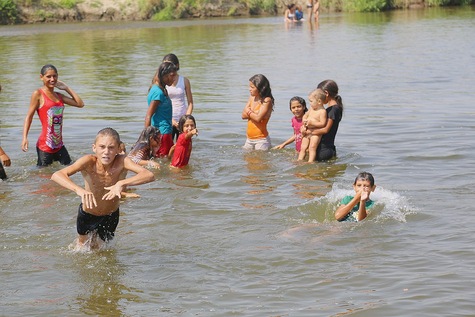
x=257, y=112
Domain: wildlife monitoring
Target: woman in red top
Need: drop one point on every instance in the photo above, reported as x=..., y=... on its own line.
x=50, y=106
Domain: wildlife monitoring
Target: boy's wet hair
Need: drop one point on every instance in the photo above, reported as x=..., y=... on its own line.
x=110, y=132
x=365, y=176
x=47, y=67
x=183, y=119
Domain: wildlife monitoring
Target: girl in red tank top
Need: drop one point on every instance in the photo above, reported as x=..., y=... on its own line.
x=50, y=106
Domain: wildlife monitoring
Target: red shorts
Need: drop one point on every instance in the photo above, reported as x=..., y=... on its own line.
x=166, y=143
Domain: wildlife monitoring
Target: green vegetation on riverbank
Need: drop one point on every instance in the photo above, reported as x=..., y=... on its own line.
x=32, y=11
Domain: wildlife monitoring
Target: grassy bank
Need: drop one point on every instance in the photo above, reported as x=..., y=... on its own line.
x=34, y=11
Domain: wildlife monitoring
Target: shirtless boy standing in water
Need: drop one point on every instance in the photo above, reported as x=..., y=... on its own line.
x=105, y=177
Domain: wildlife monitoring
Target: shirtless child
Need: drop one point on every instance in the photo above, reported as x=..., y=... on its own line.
x=105, y=178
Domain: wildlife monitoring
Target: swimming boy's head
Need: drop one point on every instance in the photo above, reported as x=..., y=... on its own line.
x=106, y=145
x=364, y=180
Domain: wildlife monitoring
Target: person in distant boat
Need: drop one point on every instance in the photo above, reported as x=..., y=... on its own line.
x=50, y=106
x=159, y=112
x=326, y=148
x=177, y=92
x=257, y=112
x=355, y=208
x=105, y=179
x=289, y=14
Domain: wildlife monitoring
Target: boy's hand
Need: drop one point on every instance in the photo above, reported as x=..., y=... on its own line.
x=114, y=191
x=87, y=198
x=364, y=194
x=5, y=159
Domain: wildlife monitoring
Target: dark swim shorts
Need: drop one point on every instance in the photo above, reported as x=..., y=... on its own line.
x=3, y=175
x=104, y=225
x=45, y=158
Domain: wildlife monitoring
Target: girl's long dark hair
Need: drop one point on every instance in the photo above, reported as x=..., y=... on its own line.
x=164, y=69
x=262, y=84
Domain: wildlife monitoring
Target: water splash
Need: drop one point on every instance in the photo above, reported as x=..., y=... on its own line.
x=92, y=244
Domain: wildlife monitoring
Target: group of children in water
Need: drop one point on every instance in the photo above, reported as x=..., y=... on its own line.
x=168, y=117
x=294, y=12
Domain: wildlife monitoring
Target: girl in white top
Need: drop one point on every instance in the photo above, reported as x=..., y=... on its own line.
x=180, y=88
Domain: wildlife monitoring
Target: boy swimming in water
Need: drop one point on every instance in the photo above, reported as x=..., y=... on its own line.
x=104, y=174
x=354, y=208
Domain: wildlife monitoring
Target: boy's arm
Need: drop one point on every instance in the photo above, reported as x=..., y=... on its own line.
x=362, y=214
x=4, y=158
x=343, y=210
x=142, y=176
x=62, y=178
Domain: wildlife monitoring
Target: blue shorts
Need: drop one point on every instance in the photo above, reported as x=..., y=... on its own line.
x=104, y=225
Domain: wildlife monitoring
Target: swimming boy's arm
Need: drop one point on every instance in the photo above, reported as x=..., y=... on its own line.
x=150, y=111
x=189, y=96
x=34, y=104
x=4, y=157
x=343, y=210
x=62, y=177
x=142, y=176
x=360, y=197
x=75, y=101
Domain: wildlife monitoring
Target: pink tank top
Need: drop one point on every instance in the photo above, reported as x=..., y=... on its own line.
x=51, y=118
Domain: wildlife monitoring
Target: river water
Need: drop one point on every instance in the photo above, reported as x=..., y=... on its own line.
x=252, y=234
